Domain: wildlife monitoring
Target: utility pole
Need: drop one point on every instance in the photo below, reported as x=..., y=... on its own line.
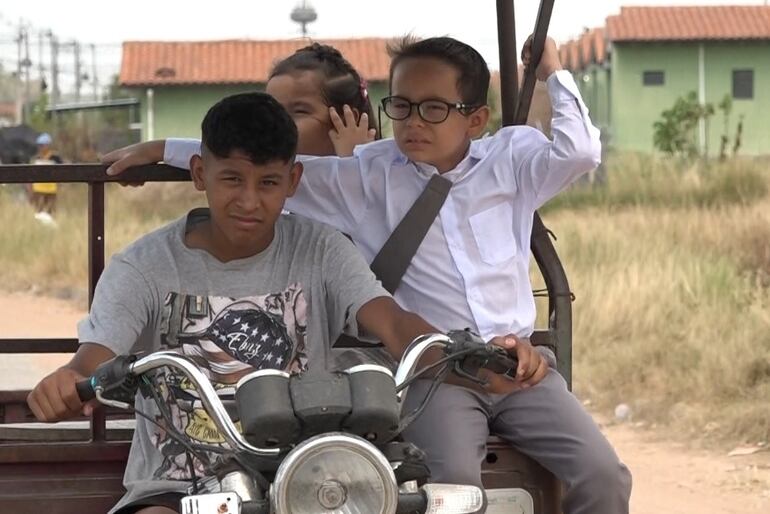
x=27, y=65
x=94, y=78
x=55, y=92
x=40, y=66
x=78, y=72
x=19, y=93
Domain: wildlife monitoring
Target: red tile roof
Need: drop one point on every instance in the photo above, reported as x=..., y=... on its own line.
x=585, y=44
x=599, y=39
x=689, y=23
x=156, y=63
x=564, y=53
x=569, y=54
x=574, y=55
x=8, y=110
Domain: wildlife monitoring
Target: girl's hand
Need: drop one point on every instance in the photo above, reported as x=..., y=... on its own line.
x=149, y=152
x=348, y=133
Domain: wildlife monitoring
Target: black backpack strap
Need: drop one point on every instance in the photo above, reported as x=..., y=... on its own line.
x=392, y=261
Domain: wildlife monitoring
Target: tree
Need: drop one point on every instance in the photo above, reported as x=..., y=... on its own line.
x=39, y=119
x=674, y=134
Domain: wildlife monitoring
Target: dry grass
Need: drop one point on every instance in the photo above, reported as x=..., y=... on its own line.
x=670, y=266
x=673, y=306
x=640, y=180
x=55, y=261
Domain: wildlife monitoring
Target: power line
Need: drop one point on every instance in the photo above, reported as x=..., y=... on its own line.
x=61, y=63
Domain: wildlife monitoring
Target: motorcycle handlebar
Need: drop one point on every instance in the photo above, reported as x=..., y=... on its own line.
x=213, y=405
x=85, y=389
x=500, y=361
x=461, y=343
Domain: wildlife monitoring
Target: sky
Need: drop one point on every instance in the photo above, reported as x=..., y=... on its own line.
x=107, y=23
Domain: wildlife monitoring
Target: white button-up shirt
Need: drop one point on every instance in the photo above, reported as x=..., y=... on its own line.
x=472, y=268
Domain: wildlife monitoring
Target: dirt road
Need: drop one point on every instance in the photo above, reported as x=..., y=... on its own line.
x=671, y=479
x=668, y=478
x=25, y=315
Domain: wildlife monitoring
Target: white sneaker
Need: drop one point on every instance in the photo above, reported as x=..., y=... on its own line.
x=45, y=219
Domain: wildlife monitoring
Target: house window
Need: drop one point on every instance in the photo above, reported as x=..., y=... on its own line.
x=743, y=84
x=653, y=78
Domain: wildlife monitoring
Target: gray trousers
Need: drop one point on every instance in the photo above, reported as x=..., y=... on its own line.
x=545, y=422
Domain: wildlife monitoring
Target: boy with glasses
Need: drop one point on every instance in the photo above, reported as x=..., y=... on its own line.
x=472, y=267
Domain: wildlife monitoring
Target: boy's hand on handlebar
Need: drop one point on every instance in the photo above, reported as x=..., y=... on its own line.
x=349, y=132
x=149, y=152
x=532, y=366
x=55, y=397
x=499, y=384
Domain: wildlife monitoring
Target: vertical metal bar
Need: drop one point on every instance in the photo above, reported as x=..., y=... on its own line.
x=509, y=69
x=538, y=44
x=559, y=296
x=559, y=299
x=95, y=267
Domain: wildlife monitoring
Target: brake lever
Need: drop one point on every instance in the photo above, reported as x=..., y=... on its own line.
x=467, y=367
x=458, y=370
x=505, y=363
x=487, y=356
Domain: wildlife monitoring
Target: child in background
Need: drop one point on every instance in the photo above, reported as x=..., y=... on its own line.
x=42, y=195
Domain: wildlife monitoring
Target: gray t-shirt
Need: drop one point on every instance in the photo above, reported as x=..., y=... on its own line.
x=278, y=309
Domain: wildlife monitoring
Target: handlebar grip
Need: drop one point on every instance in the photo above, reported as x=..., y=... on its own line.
x=502, y=362
x=85, y=389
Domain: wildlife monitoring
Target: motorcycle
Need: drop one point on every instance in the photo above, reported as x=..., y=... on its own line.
x=314, y=442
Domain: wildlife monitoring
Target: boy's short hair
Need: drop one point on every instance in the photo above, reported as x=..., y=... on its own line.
x=473, y=82
x=252, y=123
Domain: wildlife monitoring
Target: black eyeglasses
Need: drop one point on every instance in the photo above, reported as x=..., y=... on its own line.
x=431, y=111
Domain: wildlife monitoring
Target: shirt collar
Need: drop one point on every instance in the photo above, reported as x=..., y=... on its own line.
x=473, y=156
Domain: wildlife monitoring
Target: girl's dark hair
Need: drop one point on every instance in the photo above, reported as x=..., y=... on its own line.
x=341, y=83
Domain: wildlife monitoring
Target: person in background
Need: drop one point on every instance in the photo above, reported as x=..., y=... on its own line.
x=42, y=195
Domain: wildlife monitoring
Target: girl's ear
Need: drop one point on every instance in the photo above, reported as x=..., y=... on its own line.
x=478, y=120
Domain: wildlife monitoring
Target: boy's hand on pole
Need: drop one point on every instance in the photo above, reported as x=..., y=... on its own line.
x=549, y=62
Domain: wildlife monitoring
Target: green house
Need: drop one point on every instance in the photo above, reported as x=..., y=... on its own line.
x=177, y=82
x=645, y=58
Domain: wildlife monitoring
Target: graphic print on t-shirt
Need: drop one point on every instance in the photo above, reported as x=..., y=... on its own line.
x=227, y=338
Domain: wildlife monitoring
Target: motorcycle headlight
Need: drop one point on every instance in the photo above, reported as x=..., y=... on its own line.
x=335, y=473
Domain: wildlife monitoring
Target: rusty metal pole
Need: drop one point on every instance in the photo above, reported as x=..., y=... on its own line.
x=538, y=44
x=516, y=103
x=95, y=268
x=509, y=69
